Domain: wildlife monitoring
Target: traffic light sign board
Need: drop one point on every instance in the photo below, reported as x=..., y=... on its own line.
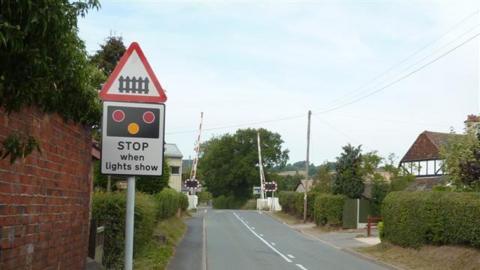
x=133, y=122
x=192, y=183
x=132, y=138
x=271, y=186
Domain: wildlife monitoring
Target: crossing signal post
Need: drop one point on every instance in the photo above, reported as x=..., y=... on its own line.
x=133, y=128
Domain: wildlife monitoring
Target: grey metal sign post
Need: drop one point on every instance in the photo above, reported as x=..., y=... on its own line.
x=133, y=128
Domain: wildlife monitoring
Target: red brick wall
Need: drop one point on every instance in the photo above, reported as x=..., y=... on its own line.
x=45, y=199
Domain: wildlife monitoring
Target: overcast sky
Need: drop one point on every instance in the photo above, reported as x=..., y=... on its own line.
x=375, y=73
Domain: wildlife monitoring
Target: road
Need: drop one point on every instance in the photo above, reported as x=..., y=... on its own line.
x=234, y=239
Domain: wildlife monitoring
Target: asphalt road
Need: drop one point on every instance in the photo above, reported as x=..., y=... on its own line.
x=249, y=240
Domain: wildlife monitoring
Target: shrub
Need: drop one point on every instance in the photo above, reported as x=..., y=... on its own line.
x=109, y=210
x=380, y=190
x=380, y=228
x=204, y=196
x=287, y=201
x=168, y=202
x=417, y=218
x=183, y=202
x=328, y=209
x=227, y=202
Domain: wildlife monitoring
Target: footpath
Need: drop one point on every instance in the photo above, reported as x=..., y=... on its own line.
x=345, y=240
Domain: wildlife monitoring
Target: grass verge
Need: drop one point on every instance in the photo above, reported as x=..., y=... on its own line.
x=427, y=257
x=156, y=255
x=287, y=218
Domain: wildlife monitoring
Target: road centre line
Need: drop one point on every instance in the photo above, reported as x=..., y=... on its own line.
x=263, y=240
x=291, y=256
x=301, y=266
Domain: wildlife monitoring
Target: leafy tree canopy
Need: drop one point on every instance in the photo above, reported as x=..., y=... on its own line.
x=324, y=179
x=229, y=163
x=349, y=173
x=44, y=62
x=462, y=161
x=107, y=57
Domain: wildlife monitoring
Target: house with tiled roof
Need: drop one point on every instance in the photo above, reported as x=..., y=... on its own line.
x=423, y=158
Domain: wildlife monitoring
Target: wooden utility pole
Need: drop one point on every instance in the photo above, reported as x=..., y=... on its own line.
x=260, y=167
x=306, y=169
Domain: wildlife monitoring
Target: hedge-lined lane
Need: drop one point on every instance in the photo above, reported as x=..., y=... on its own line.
x=416, y=218
x=109, y=210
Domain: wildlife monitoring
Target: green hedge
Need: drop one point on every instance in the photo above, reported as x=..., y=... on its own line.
x=417, y=218
x=169, y=202
x=109, y=210
x=204, y=196
x=287, y=201
x=328, y=209
x=227, y=202
x=292, y=203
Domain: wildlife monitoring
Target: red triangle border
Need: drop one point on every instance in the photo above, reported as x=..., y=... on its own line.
x=130, y=98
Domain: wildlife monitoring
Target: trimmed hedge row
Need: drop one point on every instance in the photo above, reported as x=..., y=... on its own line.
x=169, y=202
x=292, y=203
x=416, y=218
x=328, y=209
x=109, y=209
x=287, y=200
x=227, y=202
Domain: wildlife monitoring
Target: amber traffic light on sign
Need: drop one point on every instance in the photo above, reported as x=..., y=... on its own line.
x=133, y=122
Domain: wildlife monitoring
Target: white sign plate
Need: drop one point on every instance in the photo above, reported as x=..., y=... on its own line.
x=132, y=138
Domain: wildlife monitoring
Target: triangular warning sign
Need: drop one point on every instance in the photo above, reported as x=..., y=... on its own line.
x=133, y=80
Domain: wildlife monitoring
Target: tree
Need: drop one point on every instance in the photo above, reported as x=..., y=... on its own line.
x=324, y=179
x=462, y=161
x=380, y=189
x=370, y=163
x=349, y=178
x=229, y=164
x=44, y=64
x=287, y=182
x=154, y=184
x=109, y=54
x=400, y=179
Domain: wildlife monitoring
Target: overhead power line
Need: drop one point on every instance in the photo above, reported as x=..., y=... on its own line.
x=241, y=125
x=393, y=67
x=401, y=78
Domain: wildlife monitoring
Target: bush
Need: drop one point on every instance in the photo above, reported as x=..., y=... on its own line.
x=328, y=209
x=287, y=201
x=204, y=196
x=417, y=218
x=380, y=228
x=380, y=190
x=292, y=203
x=169, y=202
x=183, y=202
x=109, y=210
x=227, y=202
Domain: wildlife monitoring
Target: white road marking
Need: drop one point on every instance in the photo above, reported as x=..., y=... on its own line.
x=261, y=235
x=301, y=266
x=253, y=228
x=273, y=243
x=204, y=246
x=291, y=256
x=263, y=240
